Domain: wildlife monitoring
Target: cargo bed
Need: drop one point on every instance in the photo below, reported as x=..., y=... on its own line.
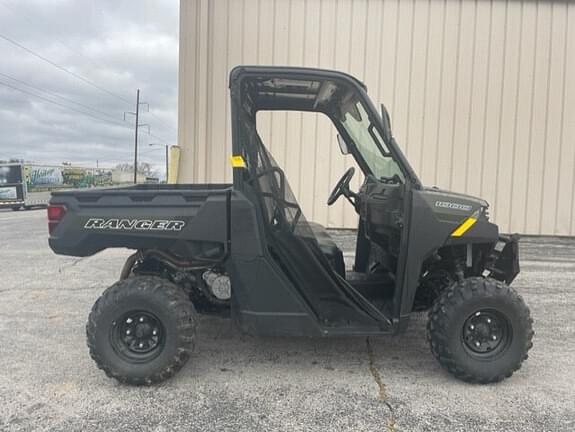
x=188, y=220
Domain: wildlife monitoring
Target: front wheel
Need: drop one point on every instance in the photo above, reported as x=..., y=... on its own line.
x=141, y=330
x=480, y=330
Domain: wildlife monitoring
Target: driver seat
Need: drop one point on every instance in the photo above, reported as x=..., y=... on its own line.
x=333, y=254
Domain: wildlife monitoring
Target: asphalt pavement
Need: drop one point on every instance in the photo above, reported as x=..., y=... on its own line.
x=235, y=382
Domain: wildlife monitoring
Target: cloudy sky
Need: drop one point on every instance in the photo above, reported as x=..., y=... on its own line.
x=110, y=48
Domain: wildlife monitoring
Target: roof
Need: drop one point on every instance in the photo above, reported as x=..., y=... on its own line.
x=292, y=71
x=292, y=88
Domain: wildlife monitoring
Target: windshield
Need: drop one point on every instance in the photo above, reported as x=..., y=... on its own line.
x=368, y=141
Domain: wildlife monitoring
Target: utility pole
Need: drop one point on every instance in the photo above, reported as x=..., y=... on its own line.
x=166, y=164
x=137, y=125
x=136, y=138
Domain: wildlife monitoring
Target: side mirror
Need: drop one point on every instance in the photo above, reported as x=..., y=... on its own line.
x=342, y=145
x=386, y=124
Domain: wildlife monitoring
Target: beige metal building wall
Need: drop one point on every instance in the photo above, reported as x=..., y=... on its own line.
x=481, y=93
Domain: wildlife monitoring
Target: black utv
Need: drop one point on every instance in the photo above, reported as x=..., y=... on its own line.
x=246, y=250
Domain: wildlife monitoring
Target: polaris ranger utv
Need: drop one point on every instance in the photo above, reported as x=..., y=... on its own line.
x=246, y=250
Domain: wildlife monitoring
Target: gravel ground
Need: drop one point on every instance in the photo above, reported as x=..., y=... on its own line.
x=239, y=383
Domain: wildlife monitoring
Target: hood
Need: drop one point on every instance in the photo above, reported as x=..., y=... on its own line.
x=454, y=206
x=457, y=197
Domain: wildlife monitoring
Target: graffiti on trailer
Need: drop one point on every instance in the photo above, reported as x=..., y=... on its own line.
x=44, y=176
x=40, y=178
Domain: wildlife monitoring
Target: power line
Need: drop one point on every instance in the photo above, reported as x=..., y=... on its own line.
x=79, y=164
x=18, y=11
x=161, y=122
x=127, y=160
x=111, y=121
x=64, y=106
x=159, y=138
x=10, y=6
x=54, y=94
x=150, y=151
x=63, y=69
x=75, y=75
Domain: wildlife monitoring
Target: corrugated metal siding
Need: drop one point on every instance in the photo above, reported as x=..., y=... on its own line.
x=481, y=95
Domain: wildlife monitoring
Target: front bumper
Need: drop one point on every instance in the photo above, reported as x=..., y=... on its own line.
x=504, y=260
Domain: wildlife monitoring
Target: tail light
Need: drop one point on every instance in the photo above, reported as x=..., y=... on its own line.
x=55, y=214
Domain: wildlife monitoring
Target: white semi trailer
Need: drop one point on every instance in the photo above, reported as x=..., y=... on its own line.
x=14, y=191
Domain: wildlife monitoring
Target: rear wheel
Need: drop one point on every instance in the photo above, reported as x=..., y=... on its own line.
x=480, y=330
x=141, y=330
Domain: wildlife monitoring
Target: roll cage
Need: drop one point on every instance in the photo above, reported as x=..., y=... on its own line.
x=311, y=90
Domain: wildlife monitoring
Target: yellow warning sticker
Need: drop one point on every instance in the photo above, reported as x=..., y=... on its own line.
x=237, y=162
x=462, y=229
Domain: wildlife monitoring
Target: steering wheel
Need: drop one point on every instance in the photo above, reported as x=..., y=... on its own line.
x=342, y=187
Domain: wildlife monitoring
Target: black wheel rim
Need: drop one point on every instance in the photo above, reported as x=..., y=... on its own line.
x=486, y=333
x=138, y=336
